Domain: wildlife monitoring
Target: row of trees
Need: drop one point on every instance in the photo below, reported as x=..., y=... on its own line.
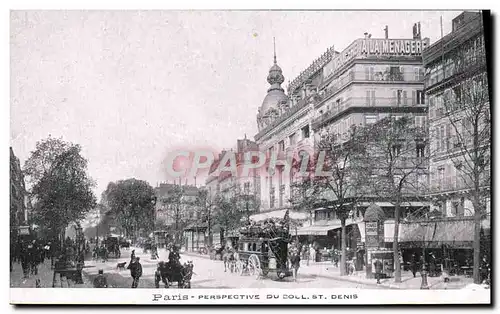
x=377, y=161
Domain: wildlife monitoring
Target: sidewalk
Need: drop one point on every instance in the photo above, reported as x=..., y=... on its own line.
x=328, y=270
x=45, y=275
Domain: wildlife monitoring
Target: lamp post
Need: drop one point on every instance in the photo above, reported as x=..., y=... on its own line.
x=79, y=254
x=154, y=250
x=424, y=284
x=97, y=230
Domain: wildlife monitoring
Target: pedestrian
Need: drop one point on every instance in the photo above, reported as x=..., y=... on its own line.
x=414, y=264
x=33, y=257
x=484, y=270
x=100, y=281
x=312, y=253
x=295, y=259
x=378, y=270
x=135, y=272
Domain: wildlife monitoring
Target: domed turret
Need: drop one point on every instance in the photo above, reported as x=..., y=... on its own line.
x=275, y=93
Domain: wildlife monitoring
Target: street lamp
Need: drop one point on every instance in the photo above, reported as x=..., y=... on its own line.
x=424, y=284
x=97, y=229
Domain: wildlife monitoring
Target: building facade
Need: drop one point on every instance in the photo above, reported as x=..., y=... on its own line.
x=18, y=196
x=456, y=85
x=242, y=188
x=451, y=64
x=369, y=80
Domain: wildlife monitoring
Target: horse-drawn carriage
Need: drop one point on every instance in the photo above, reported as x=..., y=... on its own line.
x=263, y=250
x=112, y=245
x=171, y=272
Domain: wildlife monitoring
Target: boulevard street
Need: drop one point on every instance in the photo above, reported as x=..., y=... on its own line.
x=207, y=274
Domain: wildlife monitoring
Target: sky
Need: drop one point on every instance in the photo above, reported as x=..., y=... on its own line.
x=132, y=86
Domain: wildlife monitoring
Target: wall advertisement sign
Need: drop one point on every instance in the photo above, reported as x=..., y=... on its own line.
x=370, y=47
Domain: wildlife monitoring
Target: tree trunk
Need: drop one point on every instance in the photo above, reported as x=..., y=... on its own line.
x=343, y=256
x=477, y=238
x=210, y=238
x=395, y=243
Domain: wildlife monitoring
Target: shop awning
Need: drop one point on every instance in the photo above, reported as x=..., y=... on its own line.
x=442, y=231
x=279, y=214
x=316, y=230
x=389, y=204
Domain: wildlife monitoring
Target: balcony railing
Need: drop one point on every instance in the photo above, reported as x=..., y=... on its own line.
x=364, y=102
x=353, y=76
x=456, y=184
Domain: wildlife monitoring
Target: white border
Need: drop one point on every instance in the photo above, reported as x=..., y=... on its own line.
x=120, y=295
x=248, y=296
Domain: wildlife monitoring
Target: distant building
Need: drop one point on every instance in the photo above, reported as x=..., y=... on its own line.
x=18, y=195
x=177, y=213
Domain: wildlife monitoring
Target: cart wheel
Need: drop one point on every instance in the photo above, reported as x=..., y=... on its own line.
x=254, y=266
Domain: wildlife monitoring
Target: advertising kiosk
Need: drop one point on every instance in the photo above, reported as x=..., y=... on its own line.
x=374, y=242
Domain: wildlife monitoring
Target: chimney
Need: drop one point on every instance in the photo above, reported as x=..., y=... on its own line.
x=419, y=32
x=366, y=35
x=369, y=35
x=386, y=30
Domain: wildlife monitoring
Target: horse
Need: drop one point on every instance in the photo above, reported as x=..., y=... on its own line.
x=229, y=260
x=294, y=261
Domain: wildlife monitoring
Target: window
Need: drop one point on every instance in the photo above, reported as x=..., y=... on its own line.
x=370, y=119
x=443, y=138
x=293, y=139
x=420, y=150
x=420, y=121
x=370, y=98
x=400, y=96
x=281, y=146
x=305, y=132
x=418, y=75
x=270, y=151
x=420, y=97
x=457, y=93
x=396, y=149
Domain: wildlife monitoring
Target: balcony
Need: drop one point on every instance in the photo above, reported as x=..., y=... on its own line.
x=455, y=184
x=364, y=102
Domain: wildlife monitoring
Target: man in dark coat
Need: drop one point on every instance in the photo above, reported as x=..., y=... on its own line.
x=100, y=281
x=414, y=265
x=135, y=272
x=378, y=270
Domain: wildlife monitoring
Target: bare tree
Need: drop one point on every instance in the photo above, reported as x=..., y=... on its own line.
x=397, y=154
x=344, y=161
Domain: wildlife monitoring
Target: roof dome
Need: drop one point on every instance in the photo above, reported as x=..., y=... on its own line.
x=275, y=93
x=272, y=99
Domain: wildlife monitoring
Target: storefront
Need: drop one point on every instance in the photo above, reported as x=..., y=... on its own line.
x=194, y=237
